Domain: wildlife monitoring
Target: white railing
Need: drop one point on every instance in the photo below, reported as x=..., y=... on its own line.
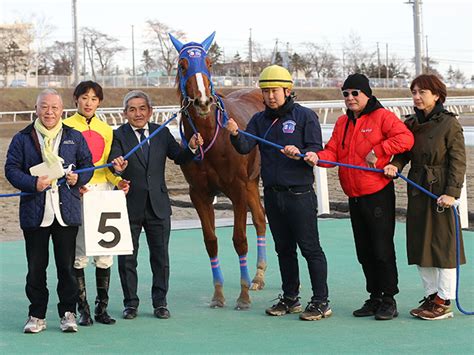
x=400, y=107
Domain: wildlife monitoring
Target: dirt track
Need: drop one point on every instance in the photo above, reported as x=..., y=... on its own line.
x=182, y=209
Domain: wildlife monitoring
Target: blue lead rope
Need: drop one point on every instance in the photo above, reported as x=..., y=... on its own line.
x=455, y=210
x=109, y=165
x=133, y=150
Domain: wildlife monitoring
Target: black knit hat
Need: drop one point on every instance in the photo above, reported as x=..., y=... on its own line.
x=358, y=81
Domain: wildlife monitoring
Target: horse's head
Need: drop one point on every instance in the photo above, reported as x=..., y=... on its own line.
x=194, y=75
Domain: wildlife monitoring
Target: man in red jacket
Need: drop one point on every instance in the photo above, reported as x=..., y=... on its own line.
x=369, y=135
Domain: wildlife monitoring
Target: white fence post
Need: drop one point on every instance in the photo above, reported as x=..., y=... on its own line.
x=463, y=210
x=322, y=190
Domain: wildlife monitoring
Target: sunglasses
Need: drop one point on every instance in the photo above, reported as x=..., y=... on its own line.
x=354, y=93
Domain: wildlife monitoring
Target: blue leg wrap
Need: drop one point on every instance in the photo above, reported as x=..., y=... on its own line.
x=216, y=271
x=244, y=271
x=261, y=249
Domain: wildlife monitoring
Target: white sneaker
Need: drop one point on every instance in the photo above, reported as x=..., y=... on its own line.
x=34, y=325
x=68, y=323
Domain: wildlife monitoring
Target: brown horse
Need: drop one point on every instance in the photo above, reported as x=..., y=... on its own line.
x=219, y=167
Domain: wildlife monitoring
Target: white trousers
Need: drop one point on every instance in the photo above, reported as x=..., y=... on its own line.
x=440, y=281
x=100, y=261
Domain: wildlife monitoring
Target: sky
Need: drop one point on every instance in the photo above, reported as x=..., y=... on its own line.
x=449, y=24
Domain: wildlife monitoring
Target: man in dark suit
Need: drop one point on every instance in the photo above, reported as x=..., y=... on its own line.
x=148, y=202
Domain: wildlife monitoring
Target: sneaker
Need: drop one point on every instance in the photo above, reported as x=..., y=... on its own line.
x=284, y=306
x=68, y=323
x=387, y=310
x=369, y=308
x=34, y=325
x=316, y=310
x=425, y=304
x=436, y=312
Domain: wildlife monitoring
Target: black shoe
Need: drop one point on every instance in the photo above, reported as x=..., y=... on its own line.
x=284, y=306
x=369, y=308
x=316, y=311
x=162, y=312
x=85, y=318
x=105, y=318
x=387, y=310
x=130, y=313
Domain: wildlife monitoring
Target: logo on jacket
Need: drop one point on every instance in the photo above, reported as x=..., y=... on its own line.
x=69, y=141
x=366, y=130
x=289, y=126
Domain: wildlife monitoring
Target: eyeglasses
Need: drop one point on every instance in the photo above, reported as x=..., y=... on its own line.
x=354, y=93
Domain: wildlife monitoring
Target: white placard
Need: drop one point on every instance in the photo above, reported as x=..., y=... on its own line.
x=106, y=225
x=55, y=171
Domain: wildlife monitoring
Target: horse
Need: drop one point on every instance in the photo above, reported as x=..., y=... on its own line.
x=219, y=168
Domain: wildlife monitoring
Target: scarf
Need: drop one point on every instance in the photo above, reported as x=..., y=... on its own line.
x=49, y=135
x=420, y=114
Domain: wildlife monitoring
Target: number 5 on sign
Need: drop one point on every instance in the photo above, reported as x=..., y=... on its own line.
x=106, y=226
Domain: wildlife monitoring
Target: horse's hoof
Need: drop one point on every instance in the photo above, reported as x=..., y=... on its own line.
x=257, y=285
x=242, y=306
x=216, y=304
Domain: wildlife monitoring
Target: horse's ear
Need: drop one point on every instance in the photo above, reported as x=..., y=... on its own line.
x=206, y=44
x=176, y=42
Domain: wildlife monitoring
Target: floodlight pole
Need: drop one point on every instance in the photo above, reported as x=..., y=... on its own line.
x=76, y=42
x=417, y=23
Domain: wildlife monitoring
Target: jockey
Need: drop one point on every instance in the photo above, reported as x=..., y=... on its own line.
x=290, y=200
x=98, y=134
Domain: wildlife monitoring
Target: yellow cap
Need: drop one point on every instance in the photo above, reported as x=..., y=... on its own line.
x=275, y=76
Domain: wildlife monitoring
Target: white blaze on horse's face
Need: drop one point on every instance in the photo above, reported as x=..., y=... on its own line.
x=202, y=102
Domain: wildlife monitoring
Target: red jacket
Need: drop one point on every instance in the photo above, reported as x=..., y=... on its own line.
x=377, y=129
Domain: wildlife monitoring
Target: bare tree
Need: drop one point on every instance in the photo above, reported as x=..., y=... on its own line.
x=431, y=67
x=320, y=60
x=15, y=43
x=357, y=57
x=101, y=49
x=166, y=53
x=260, y=57
x=42, y=30
x=59, y=58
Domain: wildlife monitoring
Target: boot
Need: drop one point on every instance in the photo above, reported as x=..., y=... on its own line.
x=82, y=305
x=102, y=277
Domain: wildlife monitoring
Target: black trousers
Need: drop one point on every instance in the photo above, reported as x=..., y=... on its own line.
x=373, y=225
x=293, y=220
x=157, y=235
x=37, y=255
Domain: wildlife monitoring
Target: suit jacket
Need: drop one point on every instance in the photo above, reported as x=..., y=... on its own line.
x=148, y=181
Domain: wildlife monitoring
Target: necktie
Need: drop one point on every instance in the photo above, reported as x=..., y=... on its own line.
x=145, y=147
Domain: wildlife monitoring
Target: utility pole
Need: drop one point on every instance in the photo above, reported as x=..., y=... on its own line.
x=133, y=58
x=378, y=62
x=417, y=25
x=343, y=64
x=76, y=42
x=386, y=60
x=427, y=57
x=250, y=58
x=84, y=57
x=275, y=51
